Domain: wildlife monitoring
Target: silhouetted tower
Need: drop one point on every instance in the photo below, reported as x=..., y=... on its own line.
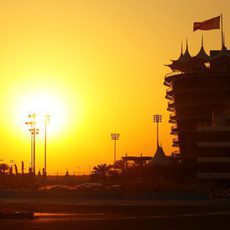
x=199, y=102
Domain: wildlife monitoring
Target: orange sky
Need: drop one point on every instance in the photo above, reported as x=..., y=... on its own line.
x=99, y=67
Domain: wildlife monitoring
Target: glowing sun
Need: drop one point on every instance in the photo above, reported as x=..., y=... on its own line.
x=42, y=104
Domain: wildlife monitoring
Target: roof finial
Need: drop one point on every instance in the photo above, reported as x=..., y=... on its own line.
x=202, y=41
x=187, y=43
x=224, y=47
x=181, y=49
x=202, y=54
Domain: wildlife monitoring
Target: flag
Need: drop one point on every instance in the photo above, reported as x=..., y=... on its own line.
x=211, y=24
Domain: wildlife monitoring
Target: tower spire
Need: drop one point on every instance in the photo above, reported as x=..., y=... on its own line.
x=202, y=54
x=187, y=44
x=186, y=56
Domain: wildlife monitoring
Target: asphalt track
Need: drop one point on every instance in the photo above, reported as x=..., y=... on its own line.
x=85, y=222
x=119, y=214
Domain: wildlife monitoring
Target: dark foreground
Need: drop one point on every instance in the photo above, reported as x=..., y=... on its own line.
x=114, y=214
x=209, y=221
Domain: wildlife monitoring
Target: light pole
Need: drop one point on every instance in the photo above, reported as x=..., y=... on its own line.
x=47, y=120
x=34, y=131
x=115, y=137
x=157, y=118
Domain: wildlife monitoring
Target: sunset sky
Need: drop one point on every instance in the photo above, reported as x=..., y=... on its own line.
x=97, y=67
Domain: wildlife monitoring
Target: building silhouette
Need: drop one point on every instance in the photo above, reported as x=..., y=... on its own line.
x=198, y=93
x=159, y=157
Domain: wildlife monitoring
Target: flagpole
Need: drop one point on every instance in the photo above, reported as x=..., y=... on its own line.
x=222, y=31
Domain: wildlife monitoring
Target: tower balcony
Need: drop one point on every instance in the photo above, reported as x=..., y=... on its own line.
x=175, y=145
x=172, y=121
x=172, y=115
x=172, y=118
x=171, y=103
x=176, y=152
x=171, y=106
x=169, y=97
x=167, y=84
x=171, y=109
x=219, y=144
x=199, y=102
x=174, y=130
x=219, y=124
x=174, y=127
x=172, y=74
x=176, y=142
x=169, y=91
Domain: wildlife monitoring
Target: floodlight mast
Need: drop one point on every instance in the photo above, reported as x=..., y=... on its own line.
x=34, y=131
x=115, y=137
x=47, y=120
x=157, y=118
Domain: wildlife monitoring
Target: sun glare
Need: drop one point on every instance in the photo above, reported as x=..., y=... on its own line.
x=42, y=104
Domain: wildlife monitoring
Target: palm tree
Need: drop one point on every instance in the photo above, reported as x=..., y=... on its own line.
x=120, y=165
x=3, y=168
x=102, y=171
x=22, y=165
x=16, y=169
